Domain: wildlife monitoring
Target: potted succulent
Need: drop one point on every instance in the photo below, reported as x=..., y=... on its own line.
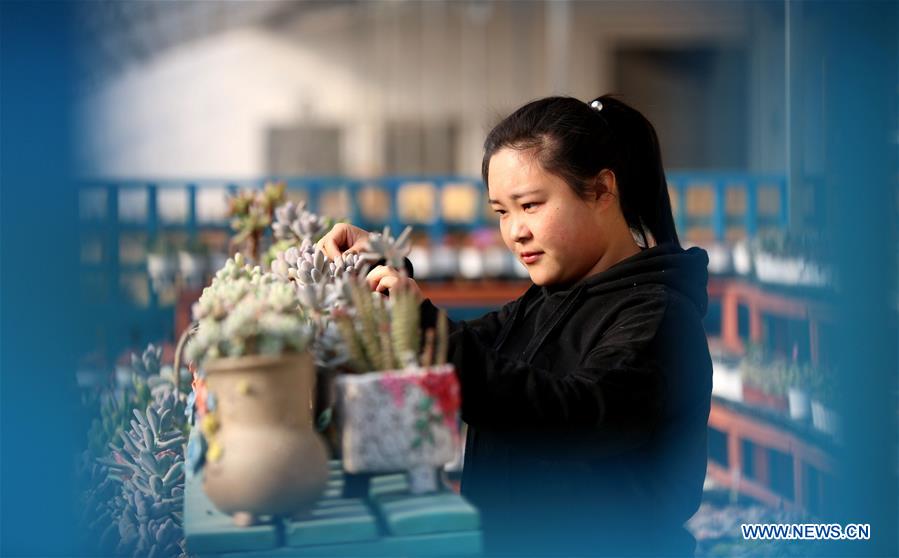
x=161, y=265
x=256, y=444
x=720, y=258
x=193, y=262
x=789, y=259
x=396, y=402
x=399, y=410
x=741, y=257
x=764, y=380
x=824, y=418
x=797, y=394
x=251, y=213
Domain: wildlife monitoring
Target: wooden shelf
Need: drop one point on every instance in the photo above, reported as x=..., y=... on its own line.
x=764, y=430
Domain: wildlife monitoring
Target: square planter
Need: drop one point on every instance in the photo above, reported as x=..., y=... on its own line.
x=399, y=420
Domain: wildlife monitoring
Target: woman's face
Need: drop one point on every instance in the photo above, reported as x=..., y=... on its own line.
x=555, y=233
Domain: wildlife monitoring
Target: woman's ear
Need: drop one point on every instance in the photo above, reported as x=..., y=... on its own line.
x=606, y=186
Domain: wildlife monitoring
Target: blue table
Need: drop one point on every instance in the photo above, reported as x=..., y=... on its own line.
x=389, y=522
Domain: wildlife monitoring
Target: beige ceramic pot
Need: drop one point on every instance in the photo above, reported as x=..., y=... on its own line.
x=264, y=456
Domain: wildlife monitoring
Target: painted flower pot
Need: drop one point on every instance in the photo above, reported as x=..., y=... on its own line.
x=799, y=404
x=403, y=420
x=263, y=456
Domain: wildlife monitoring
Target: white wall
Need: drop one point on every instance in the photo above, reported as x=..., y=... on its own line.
x=201, y=109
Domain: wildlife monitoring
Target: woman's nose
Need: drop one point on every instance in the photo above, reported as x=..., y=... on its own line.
x=520, y=231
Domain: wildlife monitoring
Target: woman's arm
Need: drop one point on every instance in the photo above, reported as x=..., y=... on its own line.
x=618, y=388
x=485, y=328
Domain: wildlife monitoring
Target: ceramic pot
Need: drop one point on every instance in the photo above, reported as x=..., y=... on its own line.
x=161, y=269
x=264, y=456
x=395, y=421
x=825, y=419
x=742, y=258
x=799, y=404
x=192, y=268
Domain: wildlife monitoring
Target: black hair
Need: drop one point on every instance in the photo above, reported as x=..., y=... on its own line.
x=575, y=141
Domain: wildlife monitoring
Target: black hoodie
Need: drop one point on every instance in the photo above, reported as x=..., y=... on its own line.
x=587, y=409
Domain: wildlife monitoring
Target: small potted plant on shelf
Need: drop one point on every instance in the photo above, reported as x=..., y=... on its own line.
x=741, y=257
x=251, y=213
x=797, y=393
x=161, y=265
x=193, y=262
x=256, y=444
x=764, y=380
x=791, y=259
x=824, y=417
x=720, y=257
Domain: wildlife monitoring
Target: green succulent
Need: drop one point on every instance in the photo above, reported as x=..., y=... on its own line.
x=245, y=311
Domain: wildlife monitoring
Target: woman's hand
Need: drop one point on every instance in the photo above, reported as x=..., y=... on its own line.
x=383, y=278
x=342, y=238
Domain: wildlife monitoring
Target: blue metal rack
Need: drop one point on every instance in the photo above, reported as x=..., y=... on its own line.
x=125, y=322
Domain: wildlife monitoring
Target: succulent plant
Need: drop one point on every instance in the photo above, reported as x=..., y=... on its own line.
x=251, y=213
x=151, y=466
x=115, y=412
x=97, y=525
x=148, y=379
x=133, y=492
x=392, y=250
x=293, y=222
x=245, y=311
x=384, y=333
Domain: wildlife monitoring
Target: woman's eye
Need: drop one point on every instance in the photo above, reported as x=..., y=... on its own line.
x=499, y=211
x=526, y=206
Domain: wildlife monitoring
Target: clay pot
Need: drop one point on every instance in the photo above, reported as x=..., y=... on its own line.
x=269, y=460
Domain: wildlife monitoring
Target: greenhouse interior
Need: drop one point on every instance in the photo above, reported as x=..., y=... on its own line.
x=241, y=392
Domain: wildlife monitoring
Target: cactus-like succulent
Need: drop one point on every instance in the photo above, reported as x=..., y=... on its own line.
x=151, y=464
x=293, y=222
x=245, y=311
x=383, y=333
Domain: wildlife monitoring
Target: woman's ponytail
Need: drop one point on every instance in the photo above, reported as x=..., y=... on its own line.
x=642, y=187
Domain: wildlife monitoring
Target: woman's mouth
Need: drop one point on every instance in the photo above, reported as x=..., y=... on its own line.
x=530, y=257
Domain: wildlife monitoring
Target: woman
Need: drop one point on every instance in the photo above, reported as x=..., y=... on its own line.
x=587, y=398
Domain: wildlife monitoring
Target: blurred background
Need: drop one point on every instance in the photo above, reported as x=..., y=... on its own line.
x=778, y=127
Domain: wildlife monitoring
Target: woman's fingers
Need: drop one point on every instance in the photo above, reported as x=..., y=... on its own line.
x=386, y=283
x=383, y=278
x=374, y=276
x=342, y=238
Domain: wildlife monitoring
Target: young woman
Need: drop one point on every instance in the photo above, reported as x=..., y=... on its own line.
x=587, y=398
